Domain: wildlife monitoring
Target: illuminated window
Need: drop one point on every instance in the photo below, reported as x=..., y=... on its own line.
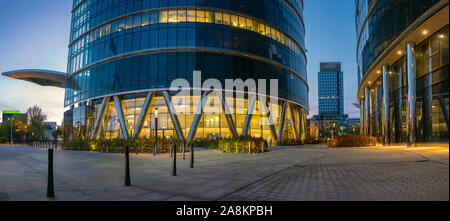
x=255, y=26
x=241, y=22
x=173, y=16
x=200, y=16
x=234, y=20
x=182, y=15
x=163, y=16
x=249, y=24
x=209, y=17
x=218, y=18
x=226, y=19
x=268, y=34
x=191, y=15
x=262, y=29
x=273, y=33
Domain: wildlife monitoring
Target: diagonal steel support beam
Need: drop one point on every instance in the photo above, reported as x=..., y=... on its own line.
x=173, y=116
x=304, y=127
x=100, y=129
x=251, y=107
x=283, y=117
x=228, y=116
x=197, y=118
x=300, y=123
x=121, y=118
x=265, y=105
x=293, y=122
x=100, y=116
x=144, y=111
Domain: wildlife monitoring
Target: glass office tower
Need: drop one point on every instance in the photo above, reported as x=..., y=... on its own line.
x=331, y=88
x=402, y=54
x=124, y=54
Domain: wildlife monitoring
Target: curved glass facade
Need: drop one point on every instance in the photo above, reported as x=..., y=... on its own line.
x=387, y=20
x=415, y=83
x=128, y=48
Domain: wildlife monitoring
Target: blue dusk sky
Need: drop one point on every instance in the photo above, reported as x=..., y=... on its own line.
x=34, y=34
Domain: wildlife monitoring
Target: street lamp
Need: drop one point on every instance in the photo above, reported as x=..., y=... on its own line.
x=332, y=132
x=156, y=132
x=11, y=120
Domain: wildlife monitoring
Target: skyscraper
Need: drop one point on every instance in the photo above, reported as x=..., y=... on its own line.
x=124, y=55
x=331, y=98
x=402, y=55
x=331, y=93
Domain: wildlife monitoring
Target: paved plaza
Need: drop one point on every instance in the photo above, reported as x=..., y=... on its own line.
x=308, y=172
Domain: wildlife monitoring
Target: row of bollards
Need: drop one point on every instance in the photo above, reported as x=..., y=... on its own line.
x=52, y=145
x=50, y=179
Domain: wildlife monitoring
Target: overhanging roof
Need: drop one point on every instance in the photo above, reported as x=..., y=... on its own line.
x=40, y=77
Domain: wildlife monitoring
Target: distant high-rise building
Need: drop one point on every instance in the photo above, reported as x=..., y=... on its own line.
x=13, y=115
x=331, y=93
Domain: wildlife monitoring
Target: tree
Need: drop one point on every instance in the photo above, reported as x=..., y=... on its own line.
x=21, y=127
x=36, y=121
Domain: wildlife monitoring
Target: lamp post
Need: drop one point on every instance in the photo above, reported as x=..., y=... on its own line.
x=332, y=132
x=156, y=132
x=11, y=120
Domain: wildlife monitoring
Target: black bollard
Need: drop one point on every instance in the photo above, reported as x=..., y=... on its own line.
x=127, y=166
x=174, y=166
x=192, y=155
x=50, y=186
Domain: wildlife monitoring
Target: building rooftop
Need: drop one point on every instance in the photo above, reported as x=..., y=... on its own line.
x=38, y=76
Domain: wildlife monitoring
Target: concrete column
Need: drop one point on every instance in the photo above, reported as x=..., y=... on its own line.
x=411, y=96
x=385, y=110
x=366, y=111
x=398, y=107
x=361, y=116
x=427, y=110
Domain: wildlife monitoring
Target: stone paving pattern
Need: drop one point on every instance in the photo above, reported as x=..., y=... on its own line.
x=307, y=172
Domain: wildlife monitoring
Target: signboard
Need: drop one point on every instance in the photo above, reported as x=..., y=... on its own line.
x=11, y=112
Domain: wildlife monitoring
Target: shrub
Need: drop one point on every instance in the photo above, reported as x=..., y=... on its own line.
x=3, y=140
x=243, y=144
x=352, y=140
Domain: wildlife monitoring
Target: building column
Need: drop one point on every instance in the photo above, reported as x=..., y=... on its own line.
x=411, y=95
x=283, y=116
x=198, y=116
x=293, y=122
x=248, y=118
x=398, y=107
x=144, y=111
x=385, y=109
x=300, y=123
x=173, y=116
x=123, y=125
x=427, y=105
x=361, y=116
x=99, y=119
x=366, y=111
